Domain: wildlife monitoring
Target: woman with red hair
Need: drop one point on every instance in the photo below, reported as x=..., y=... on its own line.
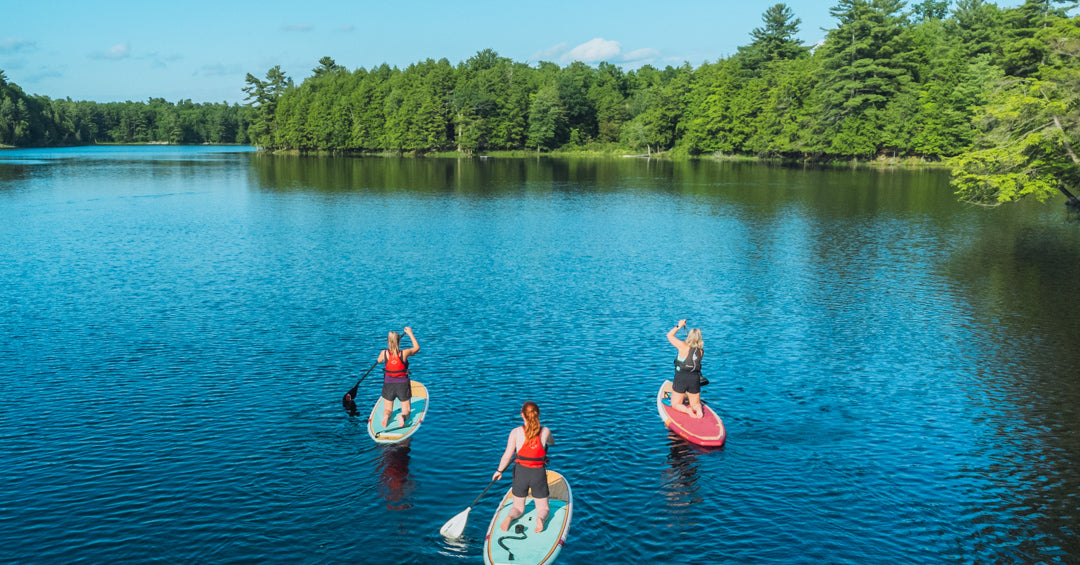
x=527, y=446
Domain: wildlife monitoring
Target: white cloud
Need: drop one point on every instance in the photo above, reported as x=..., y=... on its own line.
x=298, y=27
x=347, y=28
x=642, y=56
x=118, y=51
x=593, y=51
x=550, y=53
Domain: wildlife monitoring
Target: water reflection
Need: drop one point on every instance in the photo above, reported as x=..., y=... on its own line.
x=681, y=480
x=395, y=484
x=1024, y=278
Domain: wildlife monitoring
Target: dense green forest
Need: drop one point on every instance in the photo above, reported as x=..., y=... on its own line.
x=993, y=91
x=37, y=121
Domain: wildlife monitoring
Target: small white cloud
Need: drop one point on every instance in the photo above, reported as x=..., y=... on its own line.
x=298, y=27
x=642, y=56
x=594, y=51
x=118, y=51
x=347, y=28
x=12, y=45
x=550, y=53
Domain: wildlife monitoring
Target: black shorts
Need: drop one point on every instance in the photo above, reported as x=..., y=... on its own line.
x=403, y=391
x=687, y=383
x=526, y=478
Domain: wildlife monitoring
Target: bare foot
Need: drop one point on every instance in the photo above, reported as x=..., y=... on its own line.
x=540, y=524
x=384, y=422
x=401, y=419
x=505, y=526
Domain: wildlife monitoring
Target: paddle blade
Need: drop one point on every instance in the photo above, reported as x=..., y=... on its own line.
x=348, y=402
x=454, y=527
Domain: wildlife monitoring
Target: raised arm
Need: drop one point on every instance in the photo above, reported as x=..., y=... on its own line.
x=415, y=344
x=676, y=341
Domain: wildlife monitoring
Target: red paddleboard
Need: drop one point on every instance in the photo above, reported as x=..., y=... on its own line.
x=707, y=431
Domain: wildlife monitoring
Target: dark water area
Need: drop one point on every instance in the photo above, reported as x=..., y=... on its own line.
x=897, y=371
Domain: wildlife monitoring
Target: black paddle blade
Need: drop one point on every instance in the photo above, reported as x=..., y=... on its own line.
x=348, y=403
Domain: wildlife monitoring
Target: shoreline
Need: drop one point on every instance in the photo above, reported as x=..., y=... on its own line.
x=595, y=153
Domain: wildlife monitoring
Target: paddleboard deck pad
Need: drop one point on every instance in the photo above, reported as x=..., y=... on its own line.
x=522, y=544
x=392, y=432
x=707, y=431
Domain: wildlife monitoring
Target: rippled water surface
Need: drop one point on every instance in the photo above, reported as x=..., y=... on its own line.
x=898, y=372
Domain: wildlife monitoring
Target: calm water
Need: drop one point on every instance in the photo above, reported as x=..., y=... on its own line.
x=897, y=372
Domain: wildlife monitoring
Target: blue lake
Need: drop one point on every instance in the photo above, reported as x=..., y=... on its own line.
x=898, y=372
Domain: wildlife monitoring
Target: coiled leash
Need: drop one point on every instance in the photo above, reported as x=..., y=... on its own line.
x=518, y=529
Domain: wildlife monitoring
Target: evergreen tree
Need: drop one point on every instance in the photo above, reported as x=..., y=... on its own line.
x=775, y=41
x=864, y=66
x=264, y=96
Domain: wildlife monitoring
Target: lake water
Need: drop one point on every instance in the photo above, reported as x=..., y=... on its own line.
x=898, y=372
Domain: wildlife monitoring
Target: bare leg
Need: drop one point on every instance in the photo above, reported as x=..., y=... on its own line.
x=695, y=405
x=542, y=511
x=406, y=411
x=515, y=512
x=677, y=403
x=387, y=408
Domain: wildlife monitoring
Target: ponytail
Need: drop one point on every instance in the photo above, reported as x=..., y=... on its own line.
x=531, y=412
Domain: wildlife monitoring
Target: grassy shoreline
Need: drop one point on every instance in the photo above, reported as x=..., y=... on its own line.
x=589, y=152
x=622, y=153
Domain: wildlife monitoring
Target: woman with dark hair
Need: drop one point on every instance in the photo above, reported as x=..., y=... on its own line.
x=527, y=446
x=687, y=381
x=396, y=383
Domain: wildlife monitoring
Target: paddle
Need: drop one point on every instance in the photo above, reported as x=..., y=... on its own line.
x=349, y=400
x=456, y=525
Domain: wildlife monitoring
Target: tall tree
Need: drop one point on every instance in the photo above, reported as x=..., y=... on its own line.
x=264, y=95
x=776, y=40
x=864, y=66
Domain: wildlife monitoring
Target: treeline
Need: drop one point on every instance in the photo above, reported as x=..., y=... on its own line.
x=37, y=121
x=888, y=80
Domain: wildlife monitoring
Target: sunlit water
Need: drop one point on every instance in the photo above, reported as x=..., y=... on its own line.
x=897, y=371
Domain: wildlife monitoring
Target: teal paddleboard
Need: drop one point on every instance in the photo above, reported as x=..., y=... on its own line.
x=522, y=544
x=393, y=432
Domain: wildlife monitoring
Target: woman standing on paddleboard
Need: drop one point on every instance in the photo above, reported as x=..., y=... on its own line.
x=396, y=382
x=687, y=379
x=527, y=445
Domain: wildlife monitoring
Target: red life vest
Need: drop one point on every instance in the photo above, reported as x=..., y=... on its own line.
x=396, y=370
x=532, y=454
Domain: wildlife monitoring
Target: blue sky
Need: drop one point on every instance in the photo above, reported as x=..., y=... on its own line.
x=202, y=50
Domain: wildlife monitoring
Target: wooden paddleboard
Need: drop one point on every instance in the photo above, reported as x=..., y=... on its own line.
x=707, y=431
x=528, y=547
x=394, y=433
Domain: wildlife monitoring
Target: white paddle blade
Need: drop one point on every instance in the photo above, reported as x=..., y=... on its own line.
x=454, y=527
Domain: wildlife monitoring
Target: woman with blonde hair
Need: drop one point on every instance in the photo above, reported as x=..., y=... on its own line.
x=527, y=445
x=396, y=383
x=687, y=379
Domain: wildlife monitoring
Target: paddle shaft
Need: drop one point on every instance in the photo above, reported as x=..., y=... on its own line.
x=352, y=391
x=482, y=493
